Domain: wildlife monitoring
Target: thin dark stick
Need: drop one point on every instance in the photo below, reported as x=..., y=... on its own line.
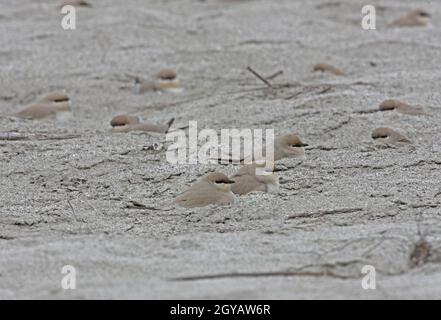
x=260, y=77
x=66, y=137
x=326, y=273
x=367, y=111
x=278, y=73
x=72, y=208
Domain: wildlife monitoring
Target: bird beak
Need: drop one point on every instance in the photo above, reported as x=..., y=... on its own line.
x=305, y=145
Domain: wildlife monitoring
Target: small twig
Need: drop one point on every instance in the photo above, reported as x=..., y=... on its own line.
x=140, y=206
x=367, y=111
x=278, y=73
x=71, y=208
x=307, y=89
x=74, y=212
x=294, y=95
x=135, y=205
x=66, y=137
x=15, y=136
x=324, y=212
x=260, y=77
x=325, y=273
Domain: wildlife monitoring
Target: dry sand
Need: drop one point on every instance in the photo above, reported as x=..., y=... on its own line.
x=70, y=200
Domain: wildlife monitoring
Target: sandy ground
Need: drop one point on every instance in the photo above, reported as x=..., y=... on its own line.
x=67, y=193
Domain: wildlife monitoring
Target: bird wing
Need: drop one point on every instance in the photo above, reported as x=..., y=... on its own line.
x=203, y=194
x=35, y=111
x=246, y=184
x=413, y=111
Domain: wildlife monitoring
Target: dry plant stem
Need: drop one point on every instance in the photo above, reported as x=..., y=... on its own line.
x=275, y=75
x=325, y=212
x=325, y=273
x=260, y=77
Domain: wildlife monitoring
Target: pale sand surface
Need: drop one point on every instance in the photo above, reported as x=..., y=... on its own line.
x=120, y=252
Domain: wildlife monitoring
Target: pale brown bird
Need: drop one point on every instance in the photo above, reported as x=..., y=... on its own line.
x=414, y=18
x=390, y=137
x=257, y=176
x=48, y=105
x=288, y=146
x=123, y=120
x=165, y=80
x=213, y=188
x=43, y=110
x=401, y=107
x=329, y=68
x=126, y=123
